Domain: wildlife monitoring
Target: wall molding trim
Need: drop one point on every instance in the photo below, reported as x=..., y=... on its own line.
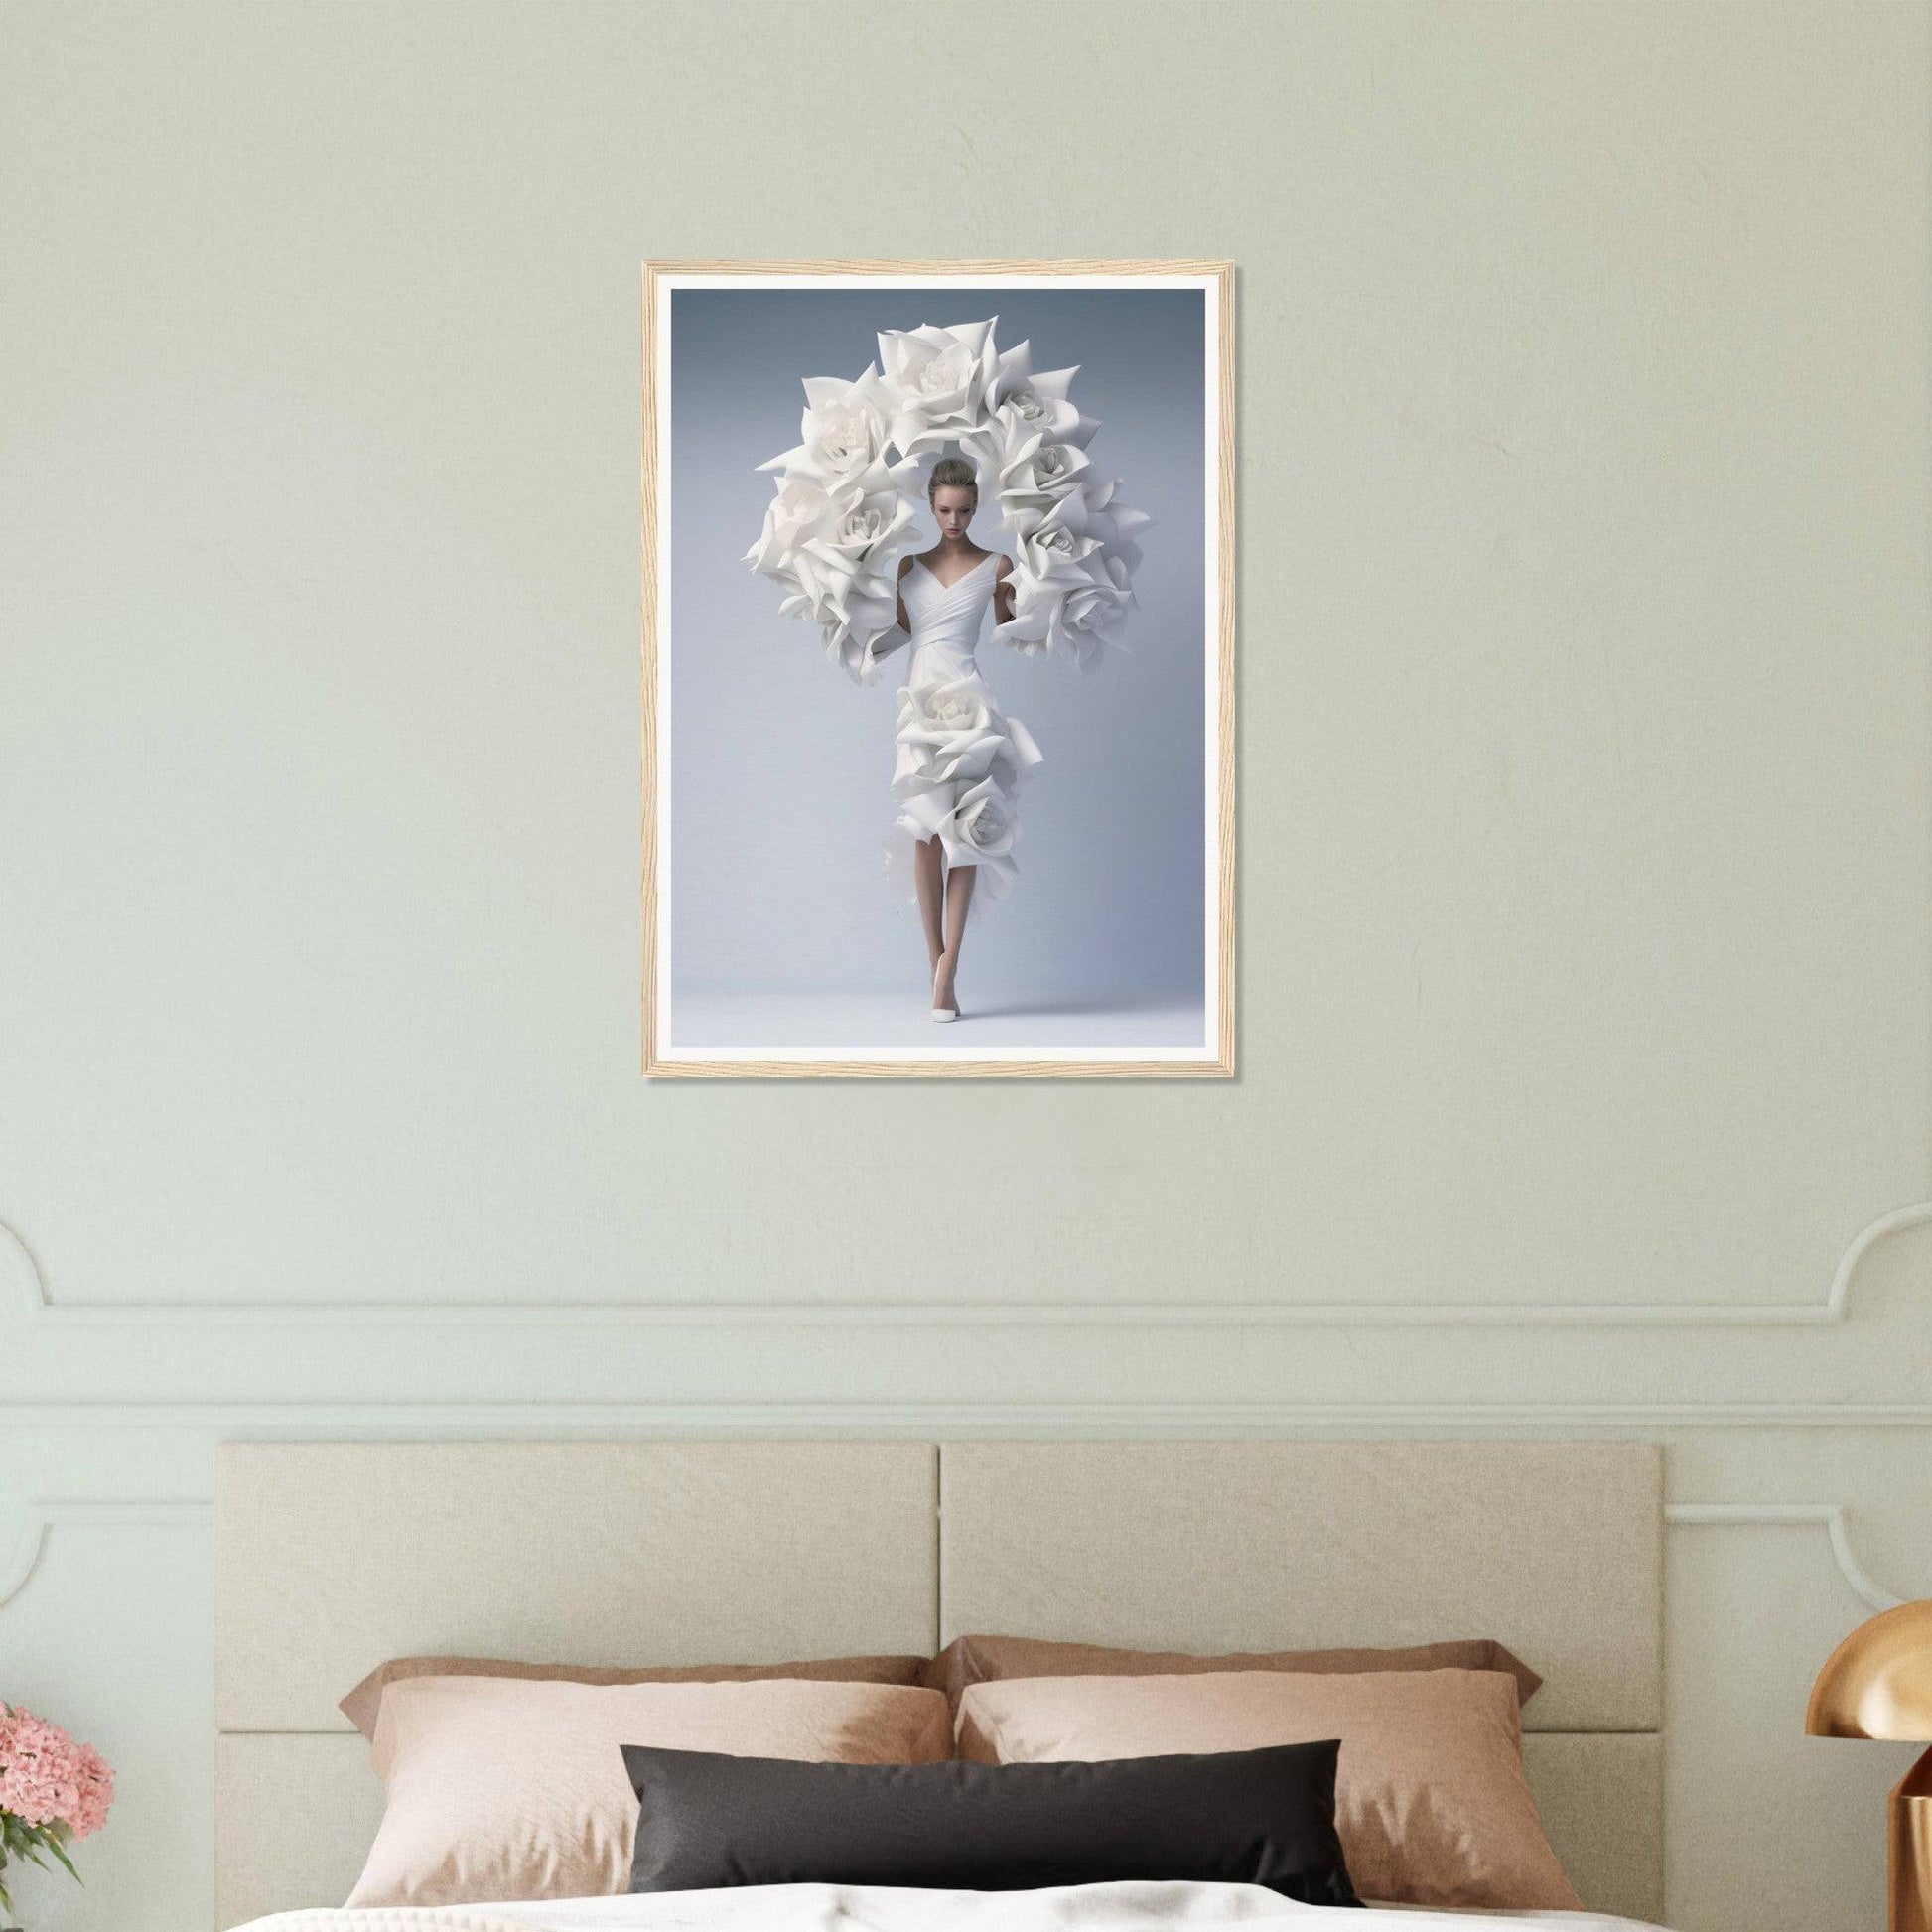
x=123, y=1513
x=568, y=1417
x=1830, y=1517
x=43, y=1516
x=23, y=1286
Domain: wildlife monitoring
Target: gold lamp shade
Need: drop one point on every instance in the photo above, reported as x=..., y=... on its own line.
x=1878, y=1684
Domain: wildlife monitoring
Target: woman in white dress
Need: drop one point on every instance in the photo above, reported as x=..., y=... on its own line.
x=961, y=760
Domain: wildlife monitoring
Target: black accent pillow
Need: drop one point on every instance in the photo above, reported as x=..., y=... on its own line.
x=1261, y=1818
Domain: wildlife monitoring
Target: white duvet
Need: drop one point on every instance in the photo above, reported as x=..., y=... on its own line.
x=1138, y=1905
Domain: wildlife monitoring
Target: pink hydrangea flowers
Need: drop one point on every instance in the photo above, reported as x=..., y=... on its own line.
x=51, y=1790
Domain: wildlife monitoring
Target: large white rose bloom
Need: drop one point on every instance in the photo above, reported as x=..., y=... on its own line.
x=835, y=544
x=1027, y=471
x=955, y=732
x=939, y=384
x=845, y=428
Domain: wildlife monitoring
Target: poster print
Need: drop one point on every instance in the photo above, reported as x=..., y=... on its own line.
x=938, y=668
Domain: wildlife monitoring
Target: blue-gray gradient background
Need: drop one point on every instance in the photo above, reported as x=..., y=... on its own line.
x=783, y=917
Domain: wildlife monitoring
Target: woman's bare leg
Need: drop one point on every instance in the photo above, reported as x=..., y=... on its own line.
x=929, y=874
x=959, y=897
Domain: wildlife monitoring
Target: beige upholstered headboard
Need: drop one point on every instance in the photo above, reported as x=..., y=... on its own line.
x=332, y=1557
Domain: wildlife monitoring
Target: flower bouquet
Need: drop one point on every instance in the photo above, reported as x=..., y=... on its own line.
x=52, y=1792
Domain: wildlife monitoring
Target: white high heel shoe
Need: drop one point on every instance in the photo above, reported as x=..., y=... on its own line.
x=940, y=1012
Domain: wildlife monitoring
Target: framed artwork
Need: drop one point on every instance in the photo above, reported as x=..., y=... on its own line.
x=938, y=668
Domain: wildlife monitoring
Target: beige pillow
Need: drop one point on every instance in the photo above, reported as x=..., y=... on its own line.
x=1430, y=1802
x=509, y=1788
x=362, y=1704
x=980, y=1659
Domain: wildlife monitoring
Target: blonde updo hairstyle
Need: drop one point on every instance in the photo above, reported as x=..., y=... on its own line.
x=952, y=473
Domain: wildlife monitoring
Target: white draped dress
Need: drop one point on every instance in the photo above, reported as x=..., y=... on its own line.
x=961, y=760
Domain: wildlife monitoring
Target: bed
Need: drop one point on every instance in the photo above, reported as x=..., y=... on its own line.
x=332, y=1557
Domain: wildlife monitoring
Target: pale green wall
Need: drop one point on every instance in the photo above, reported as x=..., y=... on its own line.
x=1583, y=753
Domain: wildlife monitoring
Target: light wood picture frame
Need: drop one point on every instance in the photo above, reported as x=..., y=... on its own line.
x=771, y=947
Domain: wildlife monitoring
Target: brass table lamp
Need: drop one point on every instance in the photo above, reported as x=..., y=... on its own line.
x=1878, y=1684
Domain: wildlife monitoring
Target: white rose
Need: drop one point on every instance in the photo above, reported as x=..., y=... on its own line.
x=1117, y=528
x=1056, y=547
x=836, y=551
x=1092, y=607
x=945, y=732
x=977, y=829
x=843, y=429
x=1045, y=411
x=936, y=382
x=794, y=512
x=865, y=526
x=1040, y=402
x=845, y=437
x=1028, y=472
x=952, y=710
x=986, y=824
x=1066, y=596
